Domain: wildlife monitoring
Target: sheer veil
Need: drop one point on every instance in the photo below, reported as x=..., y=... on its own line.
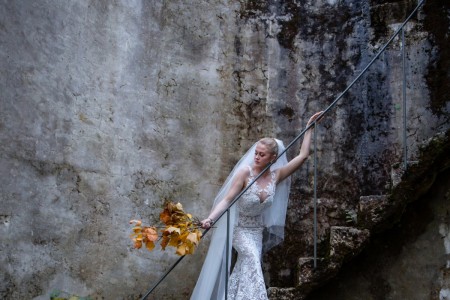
x=211, y=282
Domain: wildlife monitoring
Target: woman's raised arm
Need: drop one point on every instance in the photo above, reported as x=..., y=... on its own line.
x=297, y=161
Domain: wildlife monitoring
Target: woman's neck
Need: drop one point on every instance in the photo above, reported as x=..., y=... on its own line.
x=258, y=170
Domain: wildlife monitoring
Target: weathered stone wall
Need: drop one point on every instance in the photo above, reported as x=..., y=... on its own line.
x=109, y=107
x=362, y=139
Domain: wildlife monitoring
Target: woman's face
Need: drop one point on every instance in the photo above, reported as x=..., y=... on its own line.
x=263, y=156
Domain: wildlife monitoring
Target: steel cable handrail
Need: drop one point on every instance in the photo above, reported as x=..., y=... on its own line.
x=295, y=140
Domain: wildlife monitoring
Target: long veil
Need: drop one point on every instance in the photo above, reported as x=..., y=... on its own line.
x=211, y=281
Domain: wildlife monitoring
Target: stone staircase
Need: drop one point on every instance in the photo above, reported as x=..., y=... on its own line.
x=375, y=214
x=345, y=243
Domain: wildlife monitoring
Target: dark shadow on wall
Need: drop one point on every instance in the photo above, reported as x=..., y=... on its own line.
x=404, y=262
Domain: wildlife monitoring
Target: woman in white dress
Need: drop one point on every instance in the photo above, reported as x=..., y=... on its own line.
x=261, y=210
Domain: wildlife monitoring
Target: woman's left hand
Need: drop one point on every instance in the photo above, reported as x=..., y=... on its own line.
x=314, y=117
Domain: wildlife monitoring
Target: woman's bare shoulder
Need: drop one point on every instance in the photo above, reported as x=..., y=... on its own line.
x=243, y=172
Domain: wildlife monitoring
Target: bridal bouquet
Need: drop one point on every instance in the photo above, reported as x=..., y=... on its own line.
x=180, y=230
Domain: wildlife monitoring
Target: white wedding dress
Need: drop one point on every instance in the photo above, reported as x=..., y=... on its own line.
x=259, y=208
x=246, y=281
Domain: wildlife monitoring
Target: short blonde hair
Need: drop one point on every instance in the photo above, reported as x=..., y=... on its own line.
x=270, y=143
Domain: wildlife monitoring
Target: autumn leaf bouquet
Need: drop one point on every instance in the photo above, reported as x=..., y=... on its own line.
x=180, y=230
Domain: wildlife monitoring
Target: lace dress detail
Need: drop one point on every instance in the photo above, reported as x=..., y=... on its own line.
x=247, y=281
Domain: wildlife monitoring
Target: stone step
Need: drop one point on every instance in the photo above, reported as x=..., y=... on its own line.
x=306, y=273
x=307, y=279
x=346, y=242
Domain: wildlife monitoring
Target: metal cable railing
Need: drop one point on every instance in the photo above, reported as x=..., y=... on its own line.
x=331, y=106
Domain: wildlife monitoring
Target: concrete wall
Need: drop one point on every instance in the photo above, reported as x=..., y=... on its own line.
x=107, y=109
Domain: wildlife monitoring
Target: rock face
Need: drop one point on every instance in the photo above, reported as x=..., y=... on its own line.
x=409, y=261
x=108, y=108
x=424, y=185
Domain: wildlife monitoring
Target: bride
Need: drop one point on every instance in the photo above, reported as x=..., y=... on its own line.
x=260, y=211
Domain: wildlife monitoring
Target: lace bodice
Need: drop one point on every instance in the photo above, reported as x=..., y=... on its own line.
x=254, y=201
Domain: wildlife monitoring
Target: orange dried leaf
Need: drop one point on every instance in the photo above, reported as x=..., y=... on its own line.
x=174, y=241
x=138, y=244
x=184, y=236
x=150, y=245
x=185, y=249
x=181, y=231
x=176, y=220
x=193, y=238
x=172, y=229
x=181, y=250
x=164, y=241
x=165, y=217
x=150, y=233
x=191, y=249
x=183, y=226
